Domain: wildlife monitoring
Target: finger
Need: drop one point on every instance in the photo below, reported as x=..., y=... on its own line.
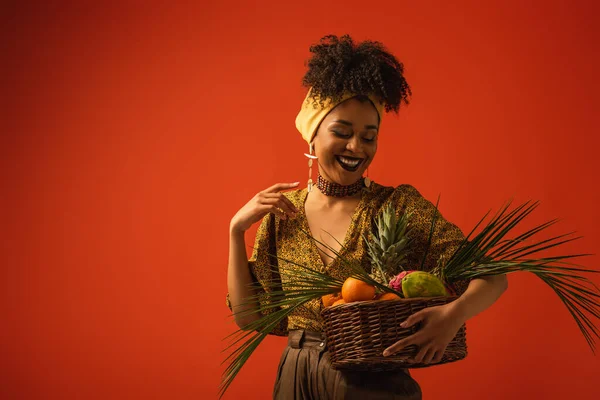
x=286, y=208
x=399, y=345
x=273, y=209
x=438, y=356
x=290, y=204
x=281, y=186
x=421, y=354
x=284, y=199
x=413, y=319
x=279, y=212
x=279, y=203
x=429, y=355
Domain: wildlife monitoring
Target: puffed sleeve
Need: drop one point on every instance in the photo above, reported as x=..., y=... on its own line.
x=264, y=266
x=446, y=236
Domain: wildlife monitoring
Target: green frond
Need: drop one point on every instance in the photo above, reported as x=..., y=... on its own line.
x=489, y=253
x=281, y=303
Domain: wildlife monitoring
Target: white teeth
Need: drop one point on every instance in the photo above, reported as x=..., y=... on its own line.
x=351, y=163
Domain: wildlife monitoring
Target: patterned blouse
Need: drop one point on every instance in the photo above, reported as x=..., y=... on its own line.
x=287, y=239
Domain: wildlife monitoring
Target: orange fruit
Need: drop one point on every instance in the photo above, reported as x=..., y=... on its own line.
x=329, y=299
x=340, y=301
x=389, y=296
x=357, y=290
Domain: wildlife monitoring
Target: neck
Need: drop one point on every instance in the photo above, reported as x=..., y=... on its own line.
x=335, y=190
x=330, y=201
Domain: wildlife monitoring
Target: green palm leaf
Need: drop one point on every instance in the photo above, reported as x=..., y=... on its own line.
x=488, y=253
x=305, y=285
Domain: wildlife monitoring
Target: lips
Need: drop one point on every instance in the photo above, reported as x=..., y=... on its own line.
x=349, y=163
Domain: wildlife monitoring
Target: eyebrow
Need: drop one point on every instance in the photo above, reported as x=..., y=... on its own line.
x=348, y=123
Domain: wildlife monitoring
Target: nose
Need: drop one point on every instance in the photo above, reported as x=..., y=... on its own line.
x=354, y=144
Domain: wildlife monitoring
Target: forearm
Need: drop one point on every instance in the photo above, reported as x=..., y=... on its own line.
x=239, y=280
x=479, y=296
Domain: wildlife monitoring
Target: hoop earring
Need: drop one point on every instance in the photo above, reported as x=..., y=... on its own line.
x=311, y=157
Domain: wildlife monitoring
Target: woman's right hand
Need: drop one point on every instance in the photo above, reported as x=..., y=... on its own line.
x=270, y=200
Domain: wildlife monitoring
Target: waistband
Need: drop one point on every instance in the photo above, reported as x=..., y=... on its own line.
x=298, y=339
x=302, y=339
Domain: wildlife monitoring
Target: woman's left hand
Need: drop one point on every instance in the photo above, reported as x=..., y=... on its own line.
x=439, y=326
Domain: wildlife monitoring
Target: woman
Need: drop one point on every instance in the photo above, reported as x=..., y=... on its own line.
x=350, y=87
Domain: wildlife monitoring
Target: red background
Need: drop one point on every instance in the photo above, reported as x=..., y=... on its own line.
x=133, y=133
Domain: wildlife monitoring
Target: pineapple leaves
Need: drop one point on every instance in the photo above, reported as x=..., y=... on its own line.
x=389, y=244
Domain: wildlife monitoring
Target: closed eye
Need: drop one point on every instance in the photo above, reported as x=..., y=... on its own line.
x=341, y=135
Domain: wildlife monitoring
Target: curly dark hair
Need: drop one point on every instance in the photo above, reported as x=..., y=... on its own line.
x=339, y=65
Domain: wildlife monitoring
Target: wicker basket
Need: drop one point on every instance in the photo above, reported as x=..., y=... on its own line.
x=357, y=333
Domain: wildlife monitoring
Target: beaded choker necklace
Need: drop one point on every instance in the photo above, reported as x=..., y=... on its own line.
x=337, y=190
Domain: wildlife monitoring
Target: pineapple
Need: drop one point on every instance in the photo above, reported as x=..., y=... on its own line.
x=387, y=248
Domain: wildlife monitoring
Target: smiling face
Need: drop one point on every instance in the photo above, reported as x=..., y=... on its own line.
x=346, y=141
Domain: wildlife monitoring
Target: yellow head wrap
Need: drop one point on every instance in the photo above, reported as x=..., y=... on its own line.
x=310, y=117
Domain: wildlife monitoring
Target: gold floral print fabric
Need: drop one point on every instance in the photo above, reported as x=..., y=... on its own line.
x=289, y=241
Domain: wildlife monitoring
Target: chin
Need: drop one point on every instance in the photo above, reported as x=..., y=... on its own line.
x=346, y=179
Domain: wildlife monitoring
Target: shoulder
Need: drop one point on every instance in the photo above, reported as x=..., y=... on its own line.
x=407, y=193
x=297, y=196
x=379, y=195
